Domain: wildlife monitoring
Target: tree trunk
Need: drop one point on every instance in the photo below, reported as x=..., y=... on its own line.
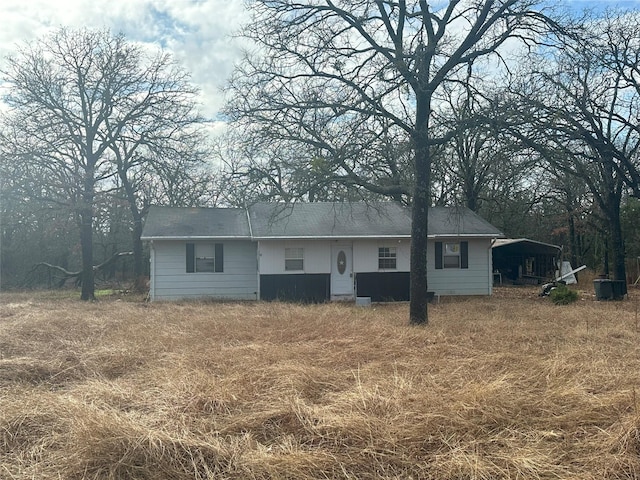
x=418, y=314
x=139, y=281
x=86, y=235
x=606, y=257
x=471, y=193
x=617, y=244
x=472, y=203
x=610, y=205
x=418, y=300
x=86, y=244
x=136, y=215
x=573, y=247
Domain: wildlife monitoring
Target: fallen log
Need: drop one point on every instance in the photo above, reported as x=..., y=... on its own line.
x=67, y=274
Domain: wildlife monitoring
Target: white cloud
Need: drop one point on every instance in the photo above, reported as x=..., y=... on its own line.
x=197, y=32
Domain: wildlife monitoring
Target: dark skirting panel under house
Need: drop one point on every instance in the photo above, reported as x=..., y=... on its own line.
x=307, y=288
x=383, y=286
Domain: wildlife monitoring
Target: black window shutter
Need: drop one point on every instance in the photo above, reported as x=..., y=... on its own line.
x=191, y=258
x=438, y=255
x=464, y=254
x=219, y=266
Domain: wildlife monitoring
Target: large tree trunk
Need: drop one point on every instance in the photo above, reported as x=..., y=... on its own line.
x=139, y=283
x=418, y=314
x=617, y=243
x=86, y=237
x=573, y=244
x=86, y=244
x=472, y=203
x=418, y=300
x=610, y=205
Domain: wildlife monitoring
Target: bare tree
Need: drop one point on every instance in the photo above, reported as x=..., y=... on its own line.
x=573, y=198
x=168, y=150
x=322, y=70
x=265, y=167
x=89, y=107
x=479, y=164
x=27, y=214
x=579, y=109
x=615, y=46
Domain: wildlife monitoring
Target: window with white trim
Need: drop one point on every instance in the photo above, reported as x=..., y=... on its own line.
x=293, y=259
x=452, y=255
x=387, y=258
x=205, y=257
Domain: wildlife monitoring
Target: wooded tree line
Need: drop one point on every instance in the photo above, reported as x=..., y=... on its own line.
x=96, y=130
x=525, y=114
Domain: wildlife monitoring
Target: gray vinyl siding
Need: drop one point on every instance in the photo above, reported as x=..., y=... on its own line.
x=239, y=280
x=171, y=281
x=475, y=280
x=317, y=256
x=365, y=254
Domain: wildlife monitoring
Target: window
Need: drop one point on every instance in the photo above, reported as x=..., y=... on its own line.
x=452, y=255
x=387, y=257
x=451, y=258
x=205, y=257
x=294, y=258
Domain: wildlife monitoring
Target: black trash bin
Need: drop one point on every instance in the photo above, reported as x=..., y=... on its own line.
x=609, y=289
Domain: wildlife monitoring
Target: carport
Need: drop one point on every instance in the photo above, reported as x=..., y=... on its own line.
x=521, y=261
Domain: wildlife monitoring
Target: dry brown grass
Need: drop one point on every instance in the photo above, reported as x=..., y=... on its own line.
x=503, y=387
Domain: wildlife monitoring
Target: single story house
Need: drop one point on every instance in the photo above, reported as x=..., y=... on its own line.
x=523, y=261
x=313, y=252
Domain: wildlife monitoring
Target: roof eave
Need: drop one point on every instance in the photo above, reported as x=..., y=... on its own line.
x=515, y=241
x=197, y=237
x=466, y=235
x=328, y=237
x=322, y=237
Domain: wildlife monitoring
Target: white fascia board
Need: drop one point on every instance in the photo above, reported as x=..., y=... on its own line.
x=243, y=237
x=330, y=237
x=466, y=235
x=323, y=237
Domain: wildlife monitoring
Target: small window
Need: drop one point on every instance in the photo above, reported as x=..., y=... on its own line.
x=205, y=257
x=387, y=258
x=294, y=259
x=452, y=255
x=451, y=258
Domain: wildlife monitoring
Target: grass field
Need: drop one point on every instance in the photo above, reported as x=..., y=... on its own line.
x=507, y=387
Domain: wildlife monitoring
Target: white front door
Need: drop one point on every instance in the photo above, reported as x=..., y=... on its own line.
x=341, y=272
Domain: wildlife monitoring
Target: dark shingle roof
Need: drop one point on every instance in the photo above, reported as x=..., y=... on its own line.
x=192, y=222
x=459, y=221
x=310, y=220
x=315, y=220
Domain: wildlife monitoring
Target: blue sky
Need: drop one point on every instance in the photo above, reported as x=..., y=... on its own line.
x=600, y=4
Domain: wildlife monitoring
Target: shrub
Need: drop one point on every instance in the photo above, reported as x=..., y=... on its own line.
x=563, y=295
